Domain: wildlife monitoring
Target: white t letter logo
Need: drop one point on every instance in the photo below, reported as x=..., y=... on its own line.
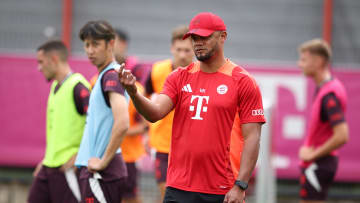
x=199, y=106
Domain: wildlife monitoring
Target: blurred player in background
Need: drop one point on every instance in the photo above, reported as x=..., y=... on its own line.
x=160, y=132
x=55, y=178
x=121, y=46
x=132, y=146
x=328, y=129
x=214, y=99
x=102, y=169
x=140, y=70
x=132, y=150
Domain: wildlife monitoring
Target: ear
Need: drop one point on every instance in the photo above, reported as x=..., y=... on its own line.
x=223, y=36
x=112, y=43
x=320, y=61
x=126, y=43
x=172, y=48
x=54, y=58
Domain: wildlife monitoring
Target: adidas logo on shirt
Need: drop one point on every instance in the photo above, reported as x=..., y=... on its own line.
x=186, y=88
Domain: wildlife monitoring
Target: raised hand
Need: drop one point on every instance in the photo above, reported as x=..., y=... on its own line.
x=127, y=80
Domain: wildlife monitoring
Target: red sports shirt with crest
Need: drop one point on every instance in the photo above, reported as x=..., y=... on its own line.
x=206, y=141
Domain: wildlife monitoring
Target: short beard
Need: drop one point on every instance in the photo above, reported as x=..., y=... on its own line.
x=207, y=56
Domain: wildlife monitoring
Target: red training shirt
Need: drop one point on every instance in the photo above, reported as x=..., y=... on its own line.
x=209, y=111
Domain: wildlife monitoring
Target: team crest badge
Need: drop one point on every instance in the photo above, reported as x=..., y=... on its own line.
x=222, y=89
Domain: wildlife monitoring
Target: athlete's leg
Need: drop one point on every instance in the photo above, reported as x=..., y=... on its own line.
x=310, y=201
x=130, y=194
x=162, y=189
x=131, y=200
x=161, y=165
x=39, y=191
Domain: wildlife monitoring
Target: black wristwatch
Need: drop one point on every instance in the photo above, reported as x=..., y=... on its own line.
x=241, y=184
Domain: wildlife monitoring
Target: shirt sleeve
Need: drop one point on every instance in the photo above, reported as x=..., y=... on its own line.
x=250, y=102
x=331, y=110
x=81, y=97
x=171, y=86
x=110, y=83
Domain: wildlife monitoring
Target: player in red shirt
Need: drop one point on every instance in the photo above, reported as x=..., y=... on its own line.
x=214, y=100
x=328, y=129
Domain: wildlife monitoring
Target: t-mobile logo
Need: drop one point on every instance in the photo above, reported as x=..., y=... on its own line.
x=199, y=106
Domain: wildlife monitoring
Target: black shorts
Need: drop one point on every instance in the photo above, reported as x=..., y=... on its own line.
x=130, y=187
x=107, y=184
x=50, y=185
x=161, y=166
x=111, y=191
x=173, y=195
x=317, y=178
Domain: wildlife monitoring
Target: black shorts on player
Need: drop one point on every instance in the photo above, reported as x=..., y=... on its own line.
x=130, y=186
x=173, y=195
x=317, y=178
x=161, y=165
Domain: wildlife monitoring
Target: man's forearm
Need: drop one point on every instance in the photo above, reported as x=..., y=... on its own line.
x=249, y=157
x=339, y=138
x=148, y=109
x=136, y=130
x=117, y=134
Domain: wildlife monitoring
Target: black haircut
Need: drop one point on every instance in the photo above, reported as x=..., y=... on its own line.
x=122, y=34
x=97, y=30
x=55, y=45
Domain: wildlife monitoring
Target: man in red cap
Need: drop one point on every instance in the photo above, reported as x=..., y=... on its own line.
x=218, y=118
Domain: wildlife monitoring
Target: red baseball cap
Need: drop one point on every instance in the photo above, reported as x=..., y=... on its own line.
x=204, y=24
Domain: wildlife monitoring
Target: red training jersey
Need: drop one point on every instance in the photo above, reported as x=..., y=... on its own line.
x=209, y=111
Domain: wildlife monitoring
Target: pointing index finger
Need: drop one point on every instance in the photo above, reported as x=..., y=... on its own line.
x=120, y=69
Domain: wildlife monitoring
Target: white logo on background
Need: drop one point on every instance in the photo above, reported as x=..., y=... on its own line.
x=199, y=107
x=293, y=124
x=222, y=89
x=187, y=88
x=257, y=112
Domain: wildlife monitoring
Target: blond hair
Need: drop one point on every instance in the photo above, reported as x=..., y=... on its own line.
x=179, y=32
x=318, y=47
